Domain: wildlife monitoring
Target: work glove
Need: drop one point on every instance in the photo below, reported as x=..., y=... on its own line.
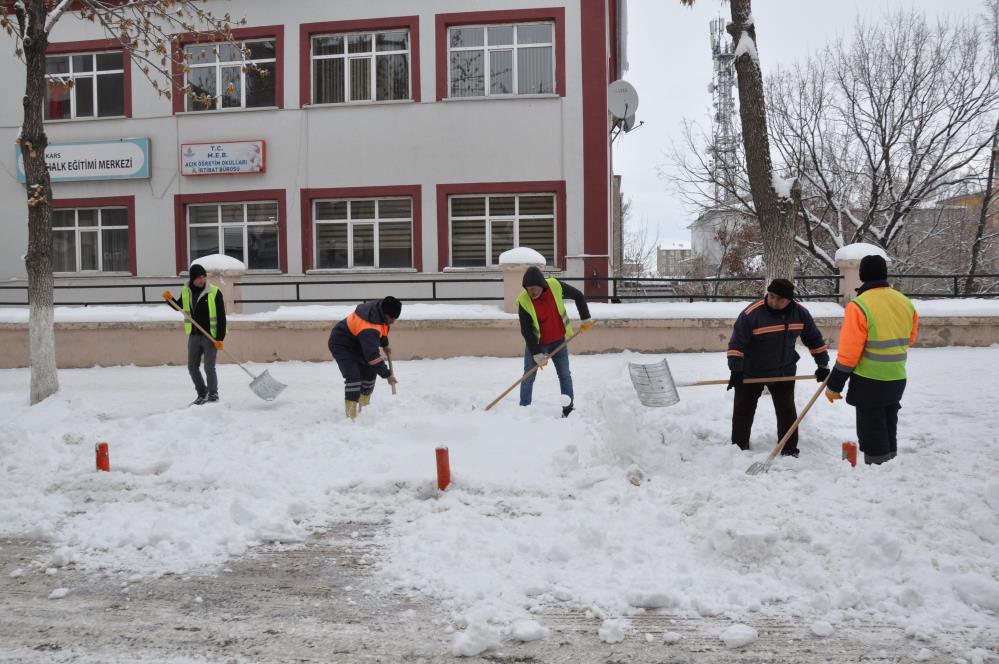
x=218, y=345
x=821, y=373
x=833, y=396
x=540, y=359
x=584, y=325
x=167, y=295
x=392, y=379
x=735, y=380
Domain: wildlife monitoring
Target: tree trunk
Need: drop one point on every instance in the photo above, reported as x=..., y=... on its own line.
x=776, y=214
x=983, y=217
x=44, y=379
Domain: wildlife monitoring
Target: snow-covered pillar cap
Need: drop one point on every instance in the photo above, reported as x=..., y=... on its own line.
x=514, y=264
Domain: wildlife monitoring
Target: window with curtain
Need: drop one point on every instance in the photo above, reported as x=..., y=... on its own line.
x=365, y=232
x=85, y=85
x=364, y=66
x=483, y=227
x=224, y=76
x=493, y=60
x=245, y=231
x=90, y=240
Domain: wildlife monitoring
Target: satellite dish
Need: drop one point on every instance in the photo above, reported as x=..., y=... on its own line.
x=622, y=99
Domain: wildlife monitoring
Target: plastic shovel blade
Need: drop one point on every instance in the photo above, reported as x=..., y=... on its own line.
x=267, y=387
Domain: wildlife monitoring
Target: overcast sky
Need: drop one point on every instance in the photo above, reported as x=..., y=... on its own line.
x=669, y=54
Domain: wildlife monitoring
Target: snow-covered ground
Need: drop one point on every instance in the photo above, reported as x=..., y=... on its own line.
x=617, y=510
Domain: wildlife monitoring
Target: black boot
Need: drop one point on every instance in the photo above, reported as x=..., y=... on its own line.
x=214, y=396
x=566, y=410
x=200, y=400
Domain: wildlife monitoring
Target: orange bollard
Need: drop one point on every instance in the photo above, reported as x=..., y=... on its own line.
x=103, y=457
x=850, y=453
x=443, y=468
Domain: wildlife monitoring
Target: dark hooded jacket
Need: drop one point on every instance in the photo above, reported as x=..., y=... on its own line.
x=535, y=277
x=762, y=343
x=366, y=346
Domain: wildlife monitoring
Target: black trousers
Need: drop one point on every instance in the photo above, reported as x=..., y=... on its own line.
x=746, y=398
x=876, y=433
x=358, y=376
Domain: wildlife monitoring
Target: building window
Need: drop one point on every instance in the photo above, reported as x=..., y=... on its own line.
x=90, y=240
x=238, y=75
x=364, y=233
x=364, y=66
x=495, y=60
x=483, y=227
x=245, y=231
x=85, y=85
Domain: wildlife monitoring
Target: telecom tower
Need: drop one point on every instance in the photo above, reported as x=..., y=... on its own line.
x=724, y=140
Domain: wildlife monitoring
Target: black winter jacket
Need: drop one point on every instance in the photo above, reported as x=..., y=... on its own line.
x=199, y=310
x=762, y=343
x=366, y=346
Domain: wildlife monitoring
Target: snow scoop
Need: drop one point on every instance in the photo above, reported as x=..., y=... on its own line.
x=656, y=389
x=264, y=386
x=530, y=371
x=762, y=467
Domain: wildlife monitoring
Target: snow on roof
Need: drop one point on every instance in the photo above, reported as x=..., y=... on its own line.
x=521, y=255
x=219, y=262
x=858, y=250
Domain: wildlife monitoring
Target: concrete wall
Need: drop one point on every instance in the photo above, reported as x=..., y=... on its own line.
x=151, y=344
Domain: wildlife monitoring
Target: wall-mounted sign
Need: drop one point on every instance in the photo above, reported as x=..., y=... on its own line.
x=223, y=158
x=68, y=161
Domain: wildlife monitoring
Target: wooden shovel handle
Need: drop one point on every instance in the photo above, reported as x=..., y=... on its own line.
x=391, y=371
x=794, y=427
x=774, y=379
x=532, y=370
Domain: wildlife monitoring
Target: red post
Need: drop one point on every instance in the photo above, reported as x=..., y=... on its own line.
x=103, y=457
x=443, y=468
x=850, y=453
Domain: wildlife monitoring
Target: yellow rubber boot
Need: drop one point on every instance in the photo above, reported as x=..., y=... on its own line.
x=363, y=401
x=351, y=408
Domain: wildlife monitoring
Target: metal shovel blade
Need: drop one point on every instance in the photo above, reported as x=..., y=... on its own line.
x=758, y=467
x=654, y=384
x=267, y=387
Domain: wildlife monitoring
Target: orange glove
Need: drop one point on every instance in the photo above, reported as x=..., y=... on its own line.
x=833, y=396
x=584, y=325
x=218, y=345
x=167, y=295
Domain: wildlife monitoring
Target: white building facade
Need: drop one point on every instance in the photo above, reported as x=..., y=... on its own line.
x=381, y=140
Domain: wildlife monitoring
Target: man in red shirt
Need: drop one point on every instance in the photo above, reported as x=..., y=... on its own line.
x=545, y=325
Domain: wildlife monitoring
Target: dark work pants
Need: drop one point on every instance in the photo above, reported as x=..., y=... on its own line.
x=876, y=433
x=199, y=345
x=746, y=397
x=358, y=376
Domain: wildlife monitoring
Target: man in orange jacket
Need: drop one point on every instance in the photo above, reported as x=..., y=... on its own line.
x=879, y=325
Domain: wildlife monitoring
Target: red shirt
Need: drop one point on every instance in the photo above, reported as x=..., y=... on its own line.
x=549, y=319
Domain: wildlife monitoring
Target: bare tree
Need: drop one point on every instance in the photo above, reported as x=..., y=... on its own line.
x=148, y=32
x=773, y=196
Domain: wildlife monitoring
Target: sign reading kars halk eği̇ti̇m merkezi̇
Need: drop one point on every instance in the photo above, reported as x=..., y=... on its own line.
x=222, y=158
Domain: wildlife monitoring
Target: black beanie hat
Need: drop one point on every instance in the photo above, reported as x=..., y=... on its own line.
x=534, y=277
x=197, y=271
x=782, y=287
x=391, y=307
x=873, y=268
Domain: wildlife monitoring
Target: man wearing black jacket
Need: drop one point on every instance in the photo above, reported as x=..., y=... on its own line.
x=762, y=346
x=356, y=343
x=544, y=326
x=204, y=303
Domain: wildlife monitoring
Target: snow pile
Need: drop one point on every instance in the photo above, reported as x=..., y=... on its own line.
x=858, y=250
x=521, y=256
x=541, y=511
x=739, y=635
x=782, y=185
x=219, y=263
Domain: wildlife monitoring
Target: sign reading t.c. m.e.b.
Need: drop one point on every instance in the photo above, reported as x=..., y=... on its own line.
x=223, y=158
x=68, y=161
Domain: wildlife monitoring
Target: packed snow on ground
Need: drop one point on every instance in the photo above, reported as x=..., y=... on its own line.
x=542, y=511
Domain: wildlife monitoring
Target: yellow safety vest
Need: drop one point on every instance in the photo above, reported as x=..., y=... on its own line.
x=527, y=304
x=889, y=328
x=185, y=300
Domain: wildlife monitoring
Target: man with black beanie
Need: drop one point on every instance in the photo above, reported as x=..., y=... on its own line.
x=356, y=343
x=762, y=346
x=544, y=325
x=203, y=302
x=879, y=325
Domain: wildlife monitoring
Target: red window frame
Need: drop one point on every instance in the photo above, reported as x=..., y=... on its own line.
x=556, y=187
x=308, y=30
x=127, y=202
x=309, y=195
x=445, y=21
x=92, y=46
x=181, y=201
x=275, y=32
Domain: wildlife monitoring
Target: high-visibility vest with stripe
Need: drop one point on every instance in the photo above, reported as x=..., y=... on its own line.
x=527, y=304
x=185, y=300
x=356, y=325
x=889, y=327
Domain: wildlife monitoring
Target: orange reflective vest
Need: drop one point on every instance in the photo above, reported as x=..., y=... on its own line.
x=356, y=325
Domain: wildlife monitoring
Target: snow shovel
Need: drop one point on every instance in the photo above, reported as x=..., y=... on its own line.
x=656, y=389
x=764, y=466
x=264, y=386
x=530, y=371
